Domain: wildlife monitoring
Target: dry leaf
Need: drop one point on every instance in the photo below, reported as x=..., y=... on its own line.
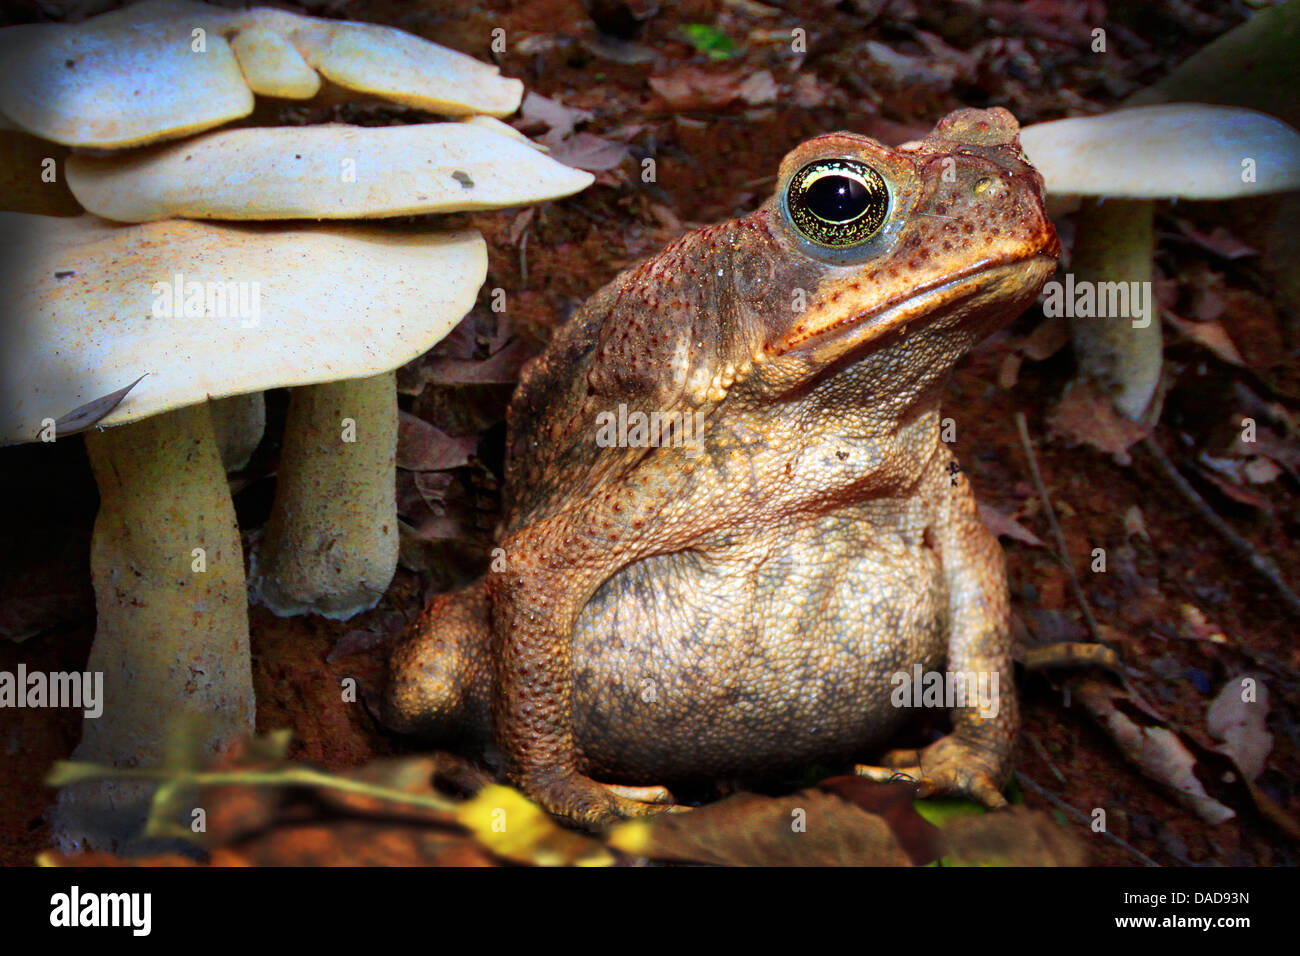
x=590, y=152
x=1144, y=739
x=1212, y=335
x=84, y=416
x=516, y=829
x=1005, y=526
x=1238, y=717
x=423, y=447
x=810, y=828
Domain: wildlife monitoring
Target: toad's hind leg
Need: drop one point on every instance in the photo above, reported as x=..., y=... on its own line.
x=439, y=675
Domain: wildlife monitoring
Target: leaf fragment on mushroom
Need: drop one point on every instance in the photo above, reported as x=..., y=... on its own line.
x=94, y=411
x=333, y=171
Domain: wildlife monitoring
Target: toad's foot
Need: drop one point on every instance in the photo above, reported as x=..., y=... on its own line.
x=951, y=766
x=593, y=804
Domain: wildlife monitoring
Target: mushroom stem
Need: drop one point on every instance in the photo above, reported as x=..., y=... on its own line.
x=172, y=633
x=1113, y=244
x=239, y=422
x=330, y=546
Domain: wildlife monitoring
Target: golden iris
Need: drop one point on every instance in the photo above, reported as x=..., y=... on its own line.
x=837, y=202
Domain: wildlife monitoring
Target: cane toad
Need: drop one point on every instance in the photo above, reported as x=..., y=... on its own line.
x=735, y=592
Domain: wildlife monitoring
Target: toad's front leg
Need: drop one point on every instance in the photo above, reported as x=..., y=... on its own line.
x=975, y=759
x=553, y=568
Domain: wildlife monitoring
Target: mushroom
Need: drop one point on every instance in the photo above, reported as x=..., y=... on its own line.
x=92, y=306
x=321, y=172
x=329, y=547
x=80, y=84
x=1128, y=159
x=72, y=83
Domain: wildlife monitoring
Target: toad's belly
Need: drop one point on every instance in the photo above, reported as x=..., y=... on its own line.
x=777, y=655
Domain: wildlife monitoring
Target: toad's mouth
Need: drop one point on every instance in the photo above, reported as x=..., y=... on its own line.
x=993, y=286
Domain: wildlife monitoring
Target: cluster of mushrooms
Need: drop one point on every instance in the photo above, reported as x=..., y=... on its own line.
x=206, y=265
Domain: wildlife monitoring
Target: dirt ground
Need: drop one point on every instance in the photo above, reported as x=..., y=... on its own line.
x=1184, y=609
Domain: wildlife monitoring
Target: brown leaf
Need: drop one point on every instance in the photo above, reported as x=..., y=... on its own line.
x=84, y=416
x=501, y=369
x=1005, y=526
x=1085, y=414
x=1236, y=491
x=810, y=828
x=895, y=803
x=1016, y=836
x=590, y=152
x=1238, y=717
x=691, y=88
x=759, y=88
x=1048, y=337
x=1219, y=241
x=1211, y=335
x=1146, y=740
x=423, y=447
x=554, y=115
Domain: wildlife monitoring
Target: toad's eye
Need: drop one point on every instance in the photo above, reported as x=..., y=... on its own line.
x=837, y=202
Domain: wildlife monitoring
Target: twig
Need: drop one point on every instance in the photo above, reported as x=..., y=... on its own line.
x=66, y=772
x=1080, y=817
x=1260, y=562
x=1044, y=756
x=1063, y=553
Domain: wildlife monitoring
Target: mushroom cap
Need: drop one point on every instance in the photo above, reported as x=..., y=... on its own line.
x=83, y=298
x=132, y=76
x=1185, y=150
x=120, y=79
x=321, y=172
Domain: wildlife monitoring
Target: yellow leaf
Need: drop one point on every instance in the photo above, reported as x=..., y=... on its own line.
x=516, y=829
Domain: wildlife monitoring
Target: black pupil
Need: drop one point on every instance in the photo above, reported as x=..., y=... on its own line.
x=836, y=198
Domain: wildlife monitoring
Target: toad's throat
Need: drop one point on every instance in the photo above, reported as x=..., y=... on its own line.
x=1008, y=282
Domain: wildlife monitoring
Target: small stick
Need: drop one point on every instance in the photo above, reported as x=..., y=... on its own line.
x=1260, y=562
x=1045, y=757
x=1063, y=554
x=1080, y=817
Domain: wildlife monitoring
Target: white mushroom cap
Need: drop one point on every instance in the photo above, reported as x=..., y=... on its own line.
x=120, y=79
x=134, y=76
x=81, y=298
x=272, y=67
x=321, y=172
x=1185, y=150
